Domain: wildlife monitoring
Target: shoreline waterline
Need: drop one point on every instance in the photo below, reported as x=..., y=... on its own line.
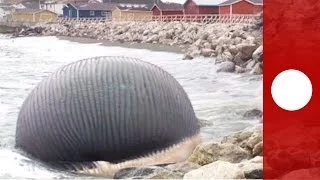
x=131, y=45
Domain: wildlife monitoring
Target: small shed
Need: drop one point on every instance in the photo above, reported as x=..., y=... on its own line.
x=78, y=10
x=125, y=13
x=161, y=9
x=5, y=9
x=131, y=3
x=54, y=6
x=34, y=15
x=241, y=7
x=202, y=6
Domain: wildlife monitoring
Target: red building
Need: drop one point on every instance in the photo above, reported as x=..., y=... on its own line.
x=161, y=8
x=202, y=6
x=241, y=7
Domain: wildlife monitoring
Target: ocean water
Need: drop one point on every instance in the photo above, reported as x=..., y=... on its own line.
x=220, y=98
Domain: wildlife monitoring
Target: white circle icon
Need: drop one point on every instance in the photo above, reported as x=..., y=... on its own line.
x=291, y=90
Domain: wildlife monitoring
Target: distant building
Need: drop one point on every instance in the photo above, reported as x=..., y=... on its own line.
x=54, y=6
x=132, y=3
x=18, y=6
x=34, y=15
x=78, y=10
x=30, y=5
x=241, y=7
x=5, y=10
x=161, y=8
x=124, y=13
x=95, y=1
x=202, y=6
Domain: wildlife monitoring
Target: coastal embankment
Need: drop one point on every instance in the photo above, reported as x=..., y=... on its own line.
x=237, y=47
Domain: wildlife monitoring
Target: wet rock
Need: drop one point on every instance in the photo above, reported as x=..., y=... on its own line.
x=187, y=56
x=233, y=50
x=224, y=40
x=204, y=36
x=227, y=66
x=253, y=168
x=207, y=45
x=251, y=40
x=253, y=113
x=225, y=56
x=258, y=54
x=152, y=172
x=237, y=59
x=153, y=38
x=209, y=152
x=216, y=170
x=188, y=41
x=246, y=139
x=236, y=41
x=207, y=52
x=254, y=139
x=172, y=171
x=214, y=44
x=195, y=53
x=257, y=149
x=250, y=65
x=239, y=70
x=183, y=167
x=145, y=32
x=246, y=51
x=235, y=34
x=225, y=170
x=257, y=69
x=198, y=43
x=245, y=28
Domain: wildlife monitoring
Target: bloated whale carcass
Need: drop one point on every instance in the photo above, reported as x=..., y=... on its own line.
x=109, y=112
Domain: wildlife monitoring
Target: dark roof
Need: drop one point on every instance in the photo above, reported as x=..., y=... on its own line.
x=168, y=6
x=6, y=7
x=257, y=1
x=5, y=4
x=147, y=8
x=94, y=6
x=207, y=2
x=31, y=4
x=130, y=1
x=229, y=2
x=31, y=10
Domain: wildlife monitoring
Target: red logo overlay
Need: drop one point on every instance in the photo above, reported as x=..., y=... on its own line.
x=291, y=41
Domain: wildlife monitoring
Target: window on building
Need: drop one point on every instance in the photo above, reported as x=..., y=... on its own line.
x=104, y=13
x=91, y=13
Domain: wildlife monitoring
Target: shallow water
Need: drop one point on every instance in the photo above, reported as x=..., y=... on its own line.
x=220, y=98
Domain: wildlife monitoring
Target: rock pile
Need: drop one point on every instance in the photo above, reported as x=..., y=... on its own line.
x=240, y=46
x=238, y=156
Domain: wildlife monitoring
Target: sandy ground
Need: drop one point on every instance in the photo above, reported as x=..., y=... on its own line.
x=134, y=45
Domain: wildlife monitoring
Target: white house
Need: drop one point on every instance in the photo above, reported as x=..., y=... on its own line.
x=5, y=10
x=54, y=6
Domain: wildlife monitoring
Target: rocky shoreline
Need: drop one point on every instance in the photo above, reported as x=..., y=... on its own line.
x=237, y=48
x=237, y=156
